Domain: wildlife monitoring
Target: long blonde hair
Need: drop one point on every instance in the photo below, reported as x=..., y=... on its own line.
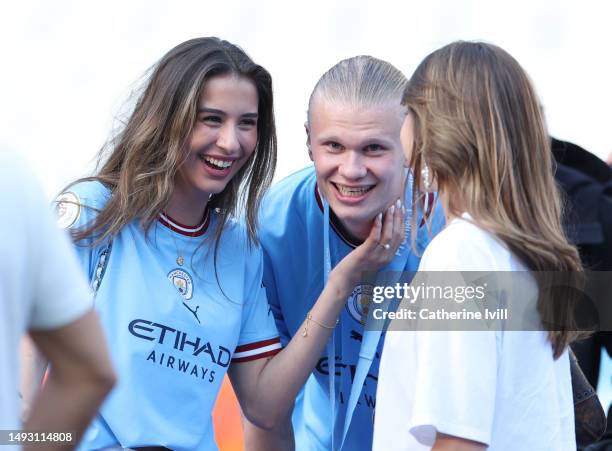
x=479, y=128
x=140, y=163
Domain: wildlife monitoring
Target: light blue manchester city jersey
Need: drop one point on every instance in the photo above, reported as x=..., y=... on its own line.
x=291, y=234
x=173, y=330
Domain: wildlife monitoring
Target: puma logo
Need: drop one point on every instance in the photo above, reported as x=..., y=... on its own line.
x=194, y=312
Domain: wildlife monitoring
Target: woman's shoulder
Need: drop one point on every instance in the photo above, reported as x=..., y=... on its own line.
x=464, y=246
x=91, y=193
x=80, y=201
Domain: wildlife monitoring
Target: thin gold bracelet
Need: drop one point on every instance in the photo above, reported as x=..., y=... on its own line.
x=310, y=318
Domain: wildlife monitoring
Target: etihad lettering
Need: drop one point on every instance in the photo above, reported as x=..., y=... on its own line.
x=370, y=400
x=364, y=400
x=323, y=368
x=183, y=366
x=180, y=341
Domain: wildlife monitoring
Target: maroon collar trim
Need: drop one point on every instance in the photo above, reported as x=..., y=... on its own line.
x=182, y=229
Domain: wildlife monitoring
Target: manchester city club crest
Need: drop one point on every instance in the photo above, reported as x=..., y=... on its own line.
x=359, y=302
x=68, y=208
x=182, y=281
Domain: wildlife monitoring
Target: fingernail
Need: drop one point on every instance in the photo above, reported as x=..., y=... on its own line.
x=392, y=209
x=379, y=217
x=398, y=203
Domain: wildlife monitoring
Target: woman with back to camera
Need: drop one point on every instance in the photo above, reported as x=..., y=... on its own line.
x=178, y=277
x=475, y=130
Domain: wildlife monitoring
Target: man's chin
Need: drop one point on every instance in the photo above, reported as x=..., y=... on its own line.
x=356, y=223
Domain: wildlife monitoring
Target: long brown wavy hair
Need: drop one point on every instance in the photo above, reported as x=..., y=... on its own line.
x=479, y=128
x=140, y=163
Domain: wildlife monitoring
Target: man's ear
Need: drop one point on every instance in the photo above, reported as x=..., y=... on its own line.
x=307, y=128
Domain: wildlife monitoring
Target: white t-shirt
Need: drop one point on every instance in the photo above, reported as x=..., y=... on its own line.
x=41, y=284
x=501, y=388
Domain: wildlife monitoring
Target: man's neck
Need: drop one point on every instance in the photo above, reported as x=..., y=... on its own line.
x=353, y=232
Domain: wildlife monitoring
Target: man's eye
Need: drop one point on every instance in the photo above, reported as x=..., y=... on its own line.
x=334, y=146
x=374, y=147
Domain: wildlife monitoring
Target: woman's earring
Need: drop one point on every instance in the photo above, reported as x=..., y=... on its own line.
x=426, y=177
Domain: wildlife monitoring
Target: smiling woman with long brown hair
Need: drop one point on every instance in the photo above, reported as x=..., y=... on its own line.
x=475, y=133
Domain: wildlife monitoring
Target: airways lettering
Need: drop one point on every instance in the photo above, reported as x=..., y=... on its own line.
x=180, y=341
x=198, y=372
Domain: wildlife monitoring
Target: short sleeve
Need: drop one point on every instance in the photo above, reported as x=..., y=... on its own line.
x=455, y=380
x=62, y=294
x=76, y=209
x=59, y=291
x=258, y=335
x=269, y=282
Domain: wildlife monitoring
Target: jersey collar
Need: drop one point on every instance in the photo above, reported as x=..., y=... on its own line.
x=182, y=229
x=335, y=223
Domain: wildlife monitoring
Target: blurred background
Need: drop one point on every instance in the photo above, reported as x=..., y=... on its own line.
x=68, y=68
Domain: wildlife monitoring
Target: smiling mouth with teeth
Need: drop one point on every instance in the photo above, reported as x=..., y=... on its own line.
x=353, y=191
x=215, y=163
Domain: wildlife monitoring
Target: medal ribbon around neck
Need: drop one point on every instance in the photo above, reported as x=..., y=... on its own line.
x=369, y=344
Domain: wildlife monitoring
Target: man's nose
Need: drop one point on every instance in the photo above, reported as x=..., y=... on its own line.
x=352, y=166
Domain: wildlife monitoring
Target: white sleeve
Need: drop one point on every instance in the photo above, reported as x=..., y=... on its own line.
x=455, y=385
x=59, y=291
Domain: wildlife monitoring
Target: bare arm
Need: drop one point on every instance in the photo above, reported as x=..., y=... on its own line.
x=451, y=443
x=80, y=377
x=33, y=366
x=267, y=389
x=280, y=438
